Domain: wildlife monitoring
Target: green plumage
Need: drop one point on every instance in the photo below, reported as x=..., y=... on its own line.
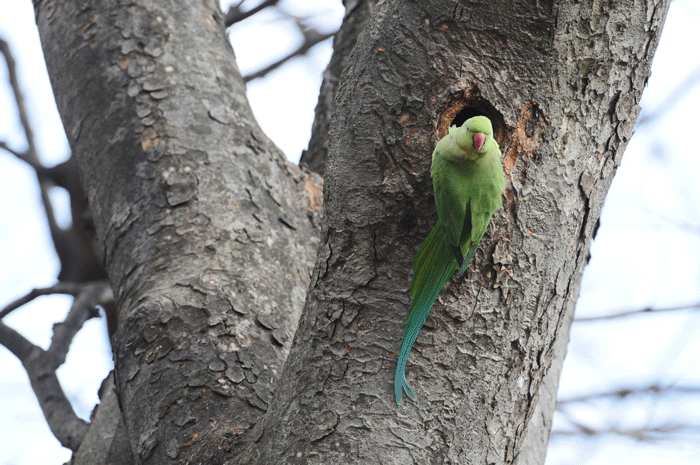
x=468, y=182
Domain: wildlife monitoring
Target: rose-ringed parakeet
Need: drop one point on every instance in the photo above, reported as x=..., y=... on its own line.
x=468, y=182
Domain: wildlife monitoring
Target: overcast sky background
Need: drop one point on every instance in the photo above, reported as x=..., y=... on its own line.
x=646, y=253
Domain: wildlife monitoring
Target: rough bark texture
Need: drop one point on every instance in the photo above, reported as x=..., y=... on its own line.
x=534, y=446
x=561, y=81
x=106, y=441
x=206, y=231
x=603, y=55
x=357, y=12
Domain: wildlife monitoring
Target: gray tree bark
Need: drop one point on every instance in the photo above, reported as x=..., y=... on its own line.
x=561, y=81
x=357, y=13
x=208, y=234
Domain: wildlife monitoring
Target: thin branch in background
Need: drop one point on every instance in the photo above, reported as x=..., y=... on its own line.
x=235, y=14
x=73, y=245
x=59, y=288
x=4, y=146
x=312, y=37
x=629, y=392
x=41, y=365
x=665, y=432
x=15, y=342
x=636, y=312
x=83, y=308
x=79, y=264
x=663, y=220
x=673, y=98
x=679, y=224
x=30, y=156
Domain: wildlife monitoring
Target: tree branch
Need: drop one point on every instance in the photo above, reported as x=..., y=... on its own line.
x=30, y=155
x=20, y=155
x=311, y=38
x=628, y=392
x=679, y=224
x=83, y=309
x=235, y=15
x=59, y=288
x=647, y=433
x=673, y=98
x=162, y=280
x=356, y=17
x=41, y=365
x=635, y=312
x=59, y=414
x=656, y=433
x=73, y=245
x=16, y=343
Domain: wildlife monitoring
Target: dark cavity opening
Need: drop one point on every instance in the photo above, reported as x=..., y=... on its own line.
x=481, y=107
x=465, y=114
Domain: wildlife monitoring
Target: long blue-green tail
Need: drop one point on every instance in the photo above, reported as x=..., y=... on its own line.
x=433, y=265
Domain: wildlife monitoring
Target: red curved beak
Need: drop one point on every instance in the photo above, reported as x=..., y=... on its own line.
x=479, y=139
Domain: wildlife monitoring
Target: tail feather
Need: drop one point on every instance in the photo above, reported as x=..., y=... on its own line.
x=435, y=249
x=433, y=265
x=469, y=256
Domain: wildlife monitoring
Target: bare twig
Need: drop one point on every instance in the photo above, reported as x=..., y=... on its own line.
x=15, y=342
x=73, y=245
x=680, y=224
x=59, y=414
x=30, y=155
x=629, y=392
x=20, y=155
x=654, y=433
x=636, y=312
x=311, y=38
x=235, y=15
x=59, y=288
x=644, y=433
x=673, y=98
x=41, y=365
x=83, y=309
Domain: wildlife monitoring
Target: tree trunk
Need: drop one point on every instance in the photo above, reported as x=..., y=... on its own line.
x=208, y=234
x=561, y=83
x=356, y=15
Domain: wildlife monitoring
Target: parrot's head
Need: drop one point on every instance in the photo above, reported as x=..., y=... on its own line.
x=479, y=130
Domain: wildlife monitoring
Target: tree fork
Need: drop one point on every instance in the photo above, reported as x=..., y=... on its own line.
x=197, y=214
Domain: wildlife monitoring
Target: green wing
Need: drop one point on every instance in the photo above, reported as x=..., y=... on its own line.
x=451, y=201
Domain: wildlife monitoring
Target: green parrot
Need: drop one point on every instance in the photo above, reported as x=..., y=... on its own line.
x=468, y=182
